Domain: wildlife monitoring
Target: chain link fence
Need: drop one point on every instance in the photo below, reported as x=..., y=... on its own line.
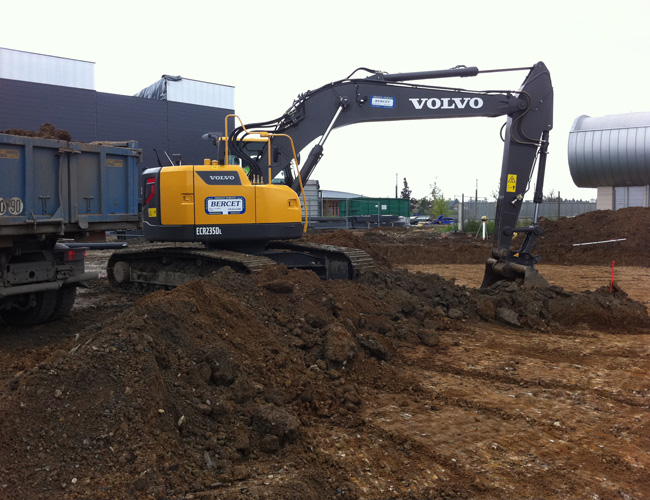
x=552, y=209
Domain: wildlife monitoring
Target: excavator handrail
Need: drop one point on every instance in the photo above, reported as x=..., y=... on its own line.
x=295, y=157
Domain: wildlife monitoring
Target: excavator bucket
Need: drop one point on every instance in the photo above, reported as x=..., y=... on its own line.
x=496, y=271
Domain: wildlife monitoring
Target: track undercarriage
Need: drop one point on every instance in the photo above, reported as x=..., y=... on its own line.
x=168, y=267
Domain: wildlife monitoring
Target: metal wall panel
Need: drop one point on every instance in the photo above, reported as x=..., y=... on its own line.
x=40, y=68
x=630, y=196
x=185, y=127
x=612, y=150
x=27, y=105
x=314, y=201
x=175, y=128
x=201, y=93
x=122, y=118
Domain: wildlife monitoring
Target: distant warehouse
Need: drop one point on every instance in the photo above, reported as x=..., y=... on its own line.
x=37, y=89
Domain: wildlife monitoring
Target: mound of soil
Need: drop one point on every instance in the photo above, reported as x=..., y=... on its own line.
x=238, y=386
x=398, y=246
x=556, y=244
x=401, y=246
x=46, y=131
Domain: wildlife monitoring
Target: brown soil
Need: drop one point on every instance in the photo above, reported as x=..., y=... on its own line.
x=556, y=244
x=46, y=131
x=400, y=384
x=425, y=245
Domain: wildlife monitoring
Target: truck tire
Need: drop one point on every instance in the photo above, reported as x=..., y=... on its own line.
x=65, y=298
x=40, y=312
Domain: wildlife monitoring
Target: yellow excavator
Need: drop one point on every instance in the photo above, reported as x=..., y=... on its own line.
x=243, y=209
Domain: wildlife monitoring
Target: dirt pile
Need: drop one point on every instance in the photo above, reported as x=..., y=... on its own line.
x=397, y=246
x=46, y=131
x=428, y=246
x=259, y=387
x=556, y=245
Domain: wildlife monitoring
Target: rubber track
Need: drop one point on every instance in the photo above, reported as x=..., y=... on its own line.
x=245, y=262
x=357, y=258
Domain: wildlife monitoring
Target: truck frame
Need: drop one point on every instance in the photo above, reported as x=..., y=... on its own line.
x=54, y=191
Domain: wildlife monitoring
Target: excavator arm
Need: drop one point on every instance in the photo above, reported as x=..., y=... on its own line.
x=390, y=97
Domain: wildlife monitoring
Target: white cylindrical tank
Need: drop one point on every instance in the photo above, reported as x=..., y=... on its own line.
x=611, y=150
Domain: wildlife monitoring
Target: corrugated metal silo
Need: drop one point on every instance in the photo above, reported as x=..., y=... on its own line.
x=612, y=150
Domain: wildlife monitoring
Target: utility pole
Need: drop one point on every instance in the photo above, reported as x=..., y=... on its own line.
x=476, y=198
x=461, y=213
x=396, y=184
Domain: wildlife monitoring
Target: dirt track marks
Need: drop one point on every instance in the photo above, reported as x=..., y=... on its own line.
x=513, y=414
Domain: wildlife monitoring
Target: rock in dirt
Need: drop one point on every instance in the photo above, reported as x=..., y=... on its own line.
x=508, y=316
x=277, y=422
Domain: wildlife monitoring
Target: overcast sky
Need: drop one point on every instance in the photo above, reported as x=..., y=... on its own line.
x=270, y=51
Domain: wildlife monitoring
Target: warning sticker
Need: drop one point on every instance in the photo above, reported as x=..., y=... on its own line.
x=511, y=185
x=11, y=154
x=112, y=162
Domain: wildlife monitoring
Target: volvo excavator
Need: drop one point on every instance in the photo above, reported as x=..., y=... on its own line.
x=243, y=208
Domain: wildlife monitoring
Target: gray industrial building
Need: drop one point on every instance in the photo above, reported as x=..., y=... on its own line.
x=169, y=116
x=612, y=153
x=37, y=89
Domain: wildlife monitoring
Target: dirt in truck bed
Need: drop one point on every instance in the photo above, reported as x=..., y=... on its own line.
x=45, y=131
x=399, y=385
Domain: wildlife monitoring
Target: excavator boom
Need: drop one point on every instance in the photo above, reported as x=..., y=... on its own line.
x=391, y=97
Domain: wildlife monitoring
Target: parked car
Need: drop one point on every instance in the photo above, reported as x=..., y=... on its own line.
x=445, y=220
x=421, y=220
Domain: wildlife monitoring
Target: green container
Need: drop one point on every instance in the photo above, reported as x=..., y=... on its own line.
x=375, y=206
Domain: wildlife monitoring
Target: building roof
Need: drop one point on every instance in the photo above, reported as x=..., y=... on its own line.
x=50, y=70
x=339, y=195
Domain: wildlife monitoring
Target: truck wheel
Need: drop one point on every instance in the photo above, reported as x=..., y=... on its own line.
x=39, y=311
x=65, y=298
